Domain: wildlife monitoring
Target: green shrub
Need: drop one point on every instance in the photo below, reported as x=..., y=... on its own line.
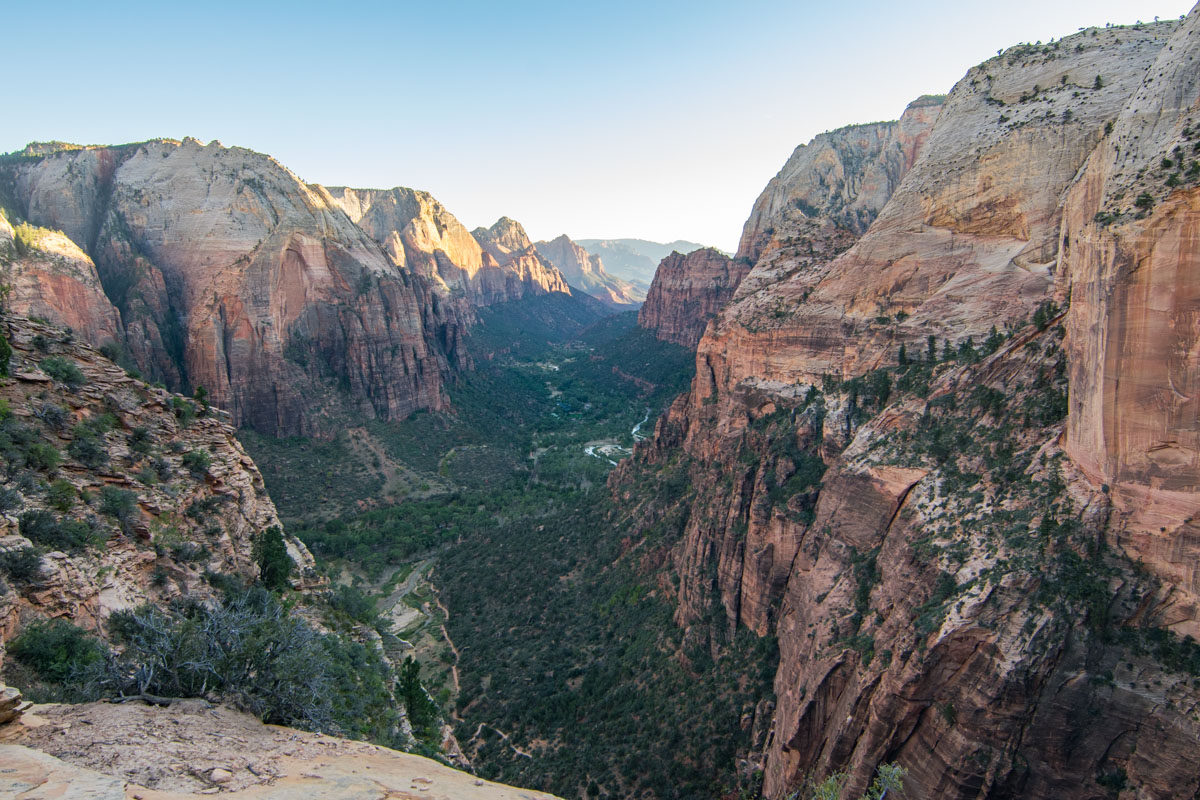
x=42, y=456
x=139, y=440
x=184, y=410
x=197, y=462
x=61, y=495
x=162, y=468
x=276, y=666
x=99, y=424
x=42, y=527
x=88, y=449
x=22, y=565
x=55, y=650
x=5, y=355
x=53, y=415
x=120, y=504
x=10, y=499
x=351, y=601
x=63, y=370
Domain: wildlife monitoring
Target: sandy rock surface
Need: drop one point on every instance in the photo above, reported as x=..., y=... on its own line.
x=98, y=750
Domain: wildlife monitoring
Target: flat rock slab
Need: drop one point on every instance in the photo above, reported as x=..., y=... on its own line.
x=142, y=752
x=31, y=775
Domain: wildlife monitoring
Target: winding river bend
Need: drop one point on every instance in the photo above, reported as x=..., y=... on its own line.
x=608, y=449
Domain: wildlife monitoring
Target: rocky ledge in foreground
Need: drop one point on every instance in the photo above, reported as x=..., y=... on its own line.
x=103, y=751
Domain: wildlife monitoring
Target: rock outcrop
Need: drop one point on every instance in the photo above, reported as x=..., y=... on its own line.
x=232, y=274
x=50, y=277
x=12, y=704
x=117, y=493
x=586, y=272
x=687, y=292
x=978, y=553
x=507, y=242
x=847, y=175
x=143, y=755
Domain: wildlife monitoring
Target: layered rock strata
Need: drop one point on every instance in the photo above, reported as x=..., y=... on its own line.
x=687, y=292
x=978, y=557
x=232, y=274
x=1130, y=270
x=48, y=276
x=970, y=237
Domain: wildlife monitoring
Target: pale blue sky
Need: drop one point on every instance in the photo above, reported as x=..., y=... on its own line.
x=652, y=120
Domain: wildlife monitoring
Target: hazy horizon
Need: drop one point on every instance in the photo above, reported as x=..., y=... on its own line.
x=602, y=122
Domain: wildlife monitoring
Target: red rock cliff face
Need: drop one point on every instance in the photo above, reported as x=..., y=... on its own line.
x=51, y=278
x=948, y=561
x=687, y=292
x=231, y=273
x=512, y=249
x=968, y=240
x=1131, y=272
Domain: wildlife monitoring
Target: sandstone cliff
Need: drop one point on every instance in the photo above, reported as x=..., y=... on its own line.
x=232, y=274
x=419, y=234
x=968, y=240
x=585, y=271
x=1130, y=270
x=50, y=277
x=507, y=242
x=116, y=493
x=964, y=577
x=688, y=291
x=846, y=175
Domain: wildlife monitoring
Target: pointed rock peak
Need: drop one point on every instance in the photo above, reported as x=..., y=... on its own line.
x=509, y=233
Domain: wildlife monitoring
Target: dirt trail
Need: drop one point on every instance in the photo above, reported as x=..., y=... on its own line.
x=398, y=480
x=503, y=735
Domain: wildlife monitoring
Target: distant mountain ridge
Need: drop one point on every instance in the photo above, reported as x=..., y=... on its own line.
x=586, y=271
x=635, y=260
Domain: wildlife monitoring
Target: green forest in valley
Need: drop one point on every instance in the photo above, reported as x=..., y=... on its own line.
x=571, y=675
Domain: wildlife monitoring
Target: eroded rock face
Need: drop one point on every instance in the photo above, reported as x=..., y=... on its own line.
x=963, y=577
x=195, y=498
x=57, y=281
x=1131, y=272
x=585, y=271
x=968, y=240
x=231, y=273
x=507, y=242
x=847, y=175
x=688, y=291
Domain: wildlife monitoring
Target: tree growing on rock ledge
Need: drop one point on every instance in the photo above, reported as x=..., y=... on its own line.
x=271, y=555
